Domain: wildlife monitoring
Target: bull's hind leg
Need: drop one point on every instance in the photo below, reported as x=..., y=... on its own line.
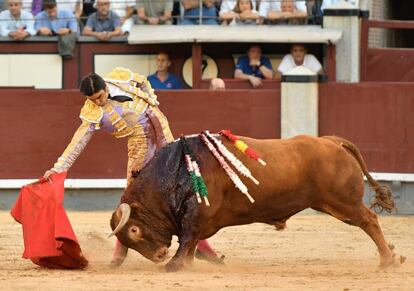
x=364, y=218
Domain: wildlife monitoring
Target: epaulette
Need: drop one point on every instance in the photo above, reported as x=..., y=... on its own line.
x=119, y=75
x=91, y=112
x=139, y=78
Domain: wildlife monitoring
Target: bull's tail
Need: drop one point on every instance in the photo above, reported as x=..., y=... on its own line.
x=383, y=196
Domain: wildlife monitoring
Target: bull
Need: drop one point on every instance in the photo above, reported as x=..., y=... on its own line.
x=322, y=173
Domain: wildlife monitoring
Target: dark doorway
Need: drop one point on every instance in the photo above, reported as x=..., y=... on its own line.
x=402, y=10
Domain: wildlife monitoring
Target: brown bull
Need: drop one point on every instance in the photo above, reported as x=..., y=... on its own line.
x=325, y=174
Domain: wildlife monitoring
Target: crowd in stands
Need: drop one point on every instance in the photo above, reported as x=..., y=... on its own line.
x=107, y=18
x=252, y=66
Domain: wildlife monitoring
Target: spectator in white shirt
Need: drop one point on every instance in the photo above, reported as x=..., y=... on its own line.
x=229, y=5
x=15, y=22
x=283, y=12
x=242, y=14
x=299, y=57
x=124, y=9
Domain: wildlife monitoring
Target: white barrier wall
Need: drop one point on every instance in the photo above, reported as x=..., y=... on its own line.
x=345, y=16
x=299, y=103
x=142, y=64
x=43, y=71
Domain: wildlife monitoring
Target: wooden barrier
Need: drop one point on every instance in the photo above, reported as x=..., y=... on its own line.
x=386, y=64
x=377, y=117
x=37, y=125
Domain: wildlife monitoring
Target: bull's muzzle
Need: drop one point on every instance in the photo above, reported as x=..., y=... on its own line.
x=125, y=210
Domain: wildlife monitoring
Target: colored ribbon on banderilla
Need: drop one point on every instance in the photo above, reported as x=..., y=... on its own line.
x=197, y=181
x=232, y=175
x=242, y=146
x=230, y=157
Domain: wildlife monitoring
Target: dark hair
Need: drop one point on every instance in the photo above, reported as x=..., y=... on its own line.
x=165, y=53
x=91, y=84
x=237, y=7
x=254, y=45
x=49, y=4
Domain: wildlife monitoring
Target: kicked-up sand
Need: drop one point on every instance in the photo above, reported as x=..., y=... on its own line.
x=315, y=252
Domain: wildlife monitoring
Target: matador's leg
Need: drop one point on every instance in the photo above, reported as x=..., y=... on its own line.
x=137, y=156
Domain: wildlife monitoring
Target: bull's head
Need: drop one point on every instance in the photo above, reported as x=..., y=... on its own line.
x=139, y=231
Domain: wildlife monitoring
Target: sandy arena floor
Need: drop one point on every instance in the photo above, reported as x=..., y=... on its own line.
x=315, y=252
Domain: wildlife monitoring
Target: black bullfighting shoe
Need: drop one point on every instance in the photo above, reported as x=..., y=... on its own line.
x=214, y=259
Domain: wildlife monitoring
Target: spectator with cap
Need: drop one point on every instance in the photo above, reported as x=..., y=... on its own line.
x=299, y=57
x=162, y=78
x=15, y=22
x=253, y=66
x=104, y=23
x=52, y=21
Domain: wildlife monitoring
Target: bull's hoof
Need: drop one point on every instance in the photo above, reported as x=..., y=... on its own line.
x=388, y=262
x=393, y=261
x=174, y=266
x=210, y=258
x=280, y=225
x=116, y=262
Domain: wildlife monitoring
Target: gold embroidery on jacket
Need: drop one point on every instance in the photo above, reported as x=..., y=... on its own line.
x=91, y=113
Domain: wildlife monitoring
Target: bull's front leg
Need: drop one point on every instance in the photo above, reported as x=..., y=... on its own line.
x=187, y=238
x=186, y=248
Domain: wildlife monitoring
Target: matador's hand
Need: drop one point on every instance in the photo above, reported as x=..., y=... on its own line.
x=48, y=173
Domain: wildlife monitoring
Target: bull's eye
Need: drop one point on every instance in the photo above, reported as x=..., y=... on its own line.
x=134, y=233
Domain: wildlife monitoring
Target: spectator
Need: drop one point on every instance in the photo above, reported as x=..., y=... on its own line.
x=124, y=9
x=284, y=12
x=73, y=6
x=299, y=57
x=217, y=84
x=254, y=66
x=88, y=8
x=192, y=12
x=162, y=78
x=242, y=14
x=36, y=7
x=104, y=23
x=15, y=22
x=229, y=5
x=155, y=12
x=314, y=12
x=53, y=21
x=327, y=3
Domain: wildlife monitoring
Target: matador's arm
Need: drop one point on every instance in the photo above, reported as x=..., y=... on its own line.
x=79, y=141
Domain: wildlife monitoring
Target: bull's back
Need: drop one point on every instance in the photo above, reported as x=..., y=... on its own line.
x=300, y=172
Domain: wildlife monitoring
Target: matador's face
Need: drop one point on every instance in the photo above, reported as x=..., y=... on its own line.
x=100, y=98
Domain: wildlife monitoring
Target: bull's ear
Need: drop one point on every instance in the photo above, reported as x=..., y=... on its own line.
x=134, y=233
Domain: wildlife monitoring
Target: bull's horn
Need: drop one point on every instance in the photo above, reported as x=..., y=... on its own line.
x=126, y=212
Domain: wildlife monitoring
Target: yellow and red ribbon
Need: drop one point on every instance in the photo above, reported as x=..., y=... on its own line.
x=242, y=146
